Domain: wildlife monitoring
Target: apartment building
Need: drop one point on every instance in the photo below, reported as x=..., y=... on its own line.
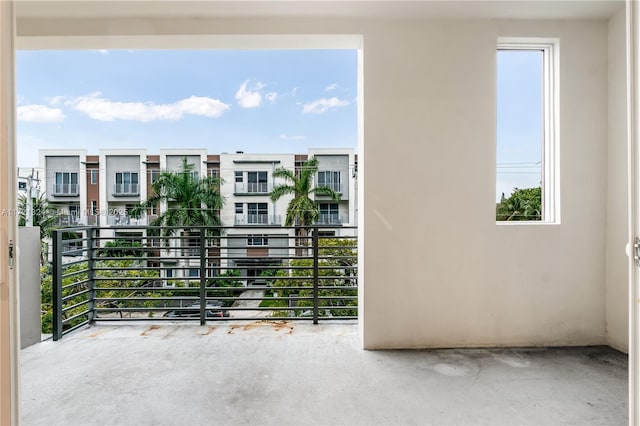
x=102, y=189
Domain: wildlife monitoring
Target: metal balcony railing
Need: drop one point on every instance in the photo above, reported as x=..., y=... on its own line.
x=252, y=188
x=69, y=220
x=125, y=220
x=330, y=219
x=126, y=189
x=65, y=190
x=304, y=275
x=335, y=186
x=257, y=219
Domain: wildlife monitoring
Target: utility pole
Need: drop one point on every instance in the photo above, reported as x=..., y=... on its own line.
x=33, y=185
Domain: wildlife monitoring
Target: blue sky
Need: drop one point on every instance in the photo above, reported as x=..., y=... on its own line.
x=519, y=120
x=274, y=101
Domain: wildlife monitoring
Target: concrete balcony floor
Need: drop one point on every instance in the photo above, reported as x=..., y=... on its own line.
x=296, y=373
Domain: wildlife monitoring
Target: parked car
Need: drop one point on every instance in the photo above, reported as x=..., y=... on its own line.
x=193, y=311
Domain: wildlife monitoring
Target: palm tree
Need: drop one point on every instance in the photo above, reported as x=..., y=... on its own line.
x=302, y=211
x=191, y=200
x=44, y=216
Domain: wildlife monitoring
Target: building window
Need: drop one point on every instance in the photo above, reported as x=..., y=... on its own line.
x=257, y=240
x=94, y=176
x=66, y=183
x=195, y=175
x=126, y=183
x=239, y=208
x=331, y=180
x=527, y=170
x=239, y=177
x=257, y=213
x=194, y=272
x=154, y=175
x=94, y=208
x=153, y=210
x=329, y=214
x=257, y=182
x=213, y=173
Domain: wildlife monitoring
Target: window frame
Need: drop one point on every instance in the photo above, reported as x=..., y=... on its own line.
x=550, y=146
x=257, y=240
x=154, y=174
x=93, y=178
x=124, y=182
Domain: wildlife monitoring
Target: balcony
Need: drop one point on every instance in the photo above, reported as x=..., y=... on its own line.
x=310, y=279
x=104, y=319
x=65, y=190
x=257, y=219
x=335, y=186
x=126, y=189
x=70, y=220
x=252, y=188
x=125, y=220
x=330, y=219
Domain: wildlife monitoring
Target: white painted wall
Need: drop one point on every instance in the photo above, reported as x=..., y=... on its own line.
x=617, y=307
x=438, y=271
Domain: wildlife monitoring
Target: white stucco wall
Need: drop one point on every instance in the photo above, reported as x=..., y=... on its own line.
x=617, y=307
x=438, y=271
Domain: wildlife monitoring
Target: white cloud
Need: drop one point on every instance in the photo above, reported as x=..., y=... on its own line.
x=292, y=137
x=55, y=100
x=99, y=108
x=103, y=51
x=40, y=114
x=294, y=91
x=331, y=87
x=249, y=98
x=271, y=97
x=320, y=106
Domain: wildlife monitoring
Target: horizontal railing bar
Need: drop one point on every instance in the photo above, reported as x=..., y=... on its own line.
x=67, y=320
x=71, y=296
x=75, y=284
x=68, y=308
x=73, y=274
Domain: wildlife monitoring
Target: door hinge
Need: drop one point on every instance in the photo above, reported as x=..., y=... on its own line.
x=11, y=254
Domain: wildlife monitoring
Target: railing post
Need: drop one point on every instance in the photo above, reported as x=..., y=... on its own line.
x=203, y=278
x=56, y=290
x=315, y=275
x=91, y=265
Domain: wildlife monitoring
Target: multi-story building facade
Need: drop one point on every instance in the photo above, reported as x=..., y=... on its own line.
x=102, y=189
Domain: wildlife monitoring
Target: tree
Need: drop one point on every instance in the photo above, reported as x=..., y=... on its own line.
x=191, y=200
x=302, y=209
x=522, y=204
x=337, y=272
x=44, y=216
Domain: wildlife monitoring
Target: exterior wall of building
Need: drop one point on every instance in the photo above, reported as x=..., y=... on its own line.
x=70, y=201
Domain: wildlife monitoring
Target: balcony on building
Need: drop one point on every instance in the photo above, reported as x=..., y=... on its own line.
x=257, y=219
x=126, y=220
x=126, y=189
x=330, y=219
x=70, y=220
x=252, y=188
x=65, y=190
